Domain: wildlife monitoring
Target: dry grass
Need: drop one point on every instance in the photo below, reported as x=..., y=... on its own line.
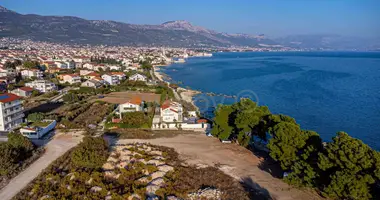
x=122, y=97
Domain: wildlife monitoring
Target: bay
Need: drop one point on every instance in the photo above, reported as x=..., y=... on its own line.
x=324, y=91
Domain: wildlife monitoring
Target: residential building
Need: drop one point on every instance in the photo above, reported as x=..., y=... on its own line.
x=61, y=64
x=171, y=111
x=120, y=75
x=137, y=77
x=92, y=83
x=11, y=111
x=70, y=78
x=91, y=75
x=111, y=79
x=29, y=73
x=23, y=91
x=42, y=85
x=132, y=105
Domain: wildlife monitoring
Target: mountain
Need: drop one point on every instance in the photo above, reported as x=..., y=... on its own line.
x=329, y=41
x=67, y=29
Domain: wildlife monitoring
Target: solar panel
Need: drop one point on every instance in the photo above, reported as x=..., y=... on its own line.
x=4, y=97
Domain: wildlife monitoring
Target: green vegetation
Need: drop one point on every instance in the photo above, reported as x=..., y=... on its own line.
x=91, y=154
x=31, y=64
x=145, y=133
x=35, y=117
x=71, y=98
x=343, y=169
x=15, y=155
x=75, y=176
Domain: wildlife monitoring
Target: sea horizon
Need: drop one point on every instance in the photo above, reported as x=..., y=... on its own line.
x=291, y=83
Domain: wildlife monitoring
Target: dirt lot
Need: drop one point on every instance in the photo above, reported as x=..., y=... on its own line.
x=122, y=97
x=234, y=160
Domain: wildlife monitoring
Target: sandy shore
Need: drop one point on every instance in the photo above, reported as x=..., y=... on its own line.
x=185, y=94
x=156, y=70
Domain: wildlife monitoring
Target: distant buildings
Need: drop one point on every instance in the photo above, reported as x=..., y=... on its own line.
x=42, y=85
x=11, y=111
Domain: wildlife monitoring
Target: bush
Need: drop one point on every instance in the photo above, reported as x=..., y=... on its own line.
x=35, y=117
x=20, y=142
x=91, y=153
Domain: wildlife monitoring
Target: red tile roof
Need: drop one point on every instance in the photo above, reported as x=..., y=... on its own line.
x=27, y=89
x=8, y=97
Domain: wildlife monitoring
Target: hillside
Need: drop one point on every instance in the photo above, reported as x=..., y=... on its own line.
x=69, y=29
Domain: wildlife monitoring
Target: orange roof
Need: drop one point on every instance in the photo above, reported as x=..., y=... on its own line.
x=117, y=73
x=93, y=74
x=135, y=100
x=8, y=97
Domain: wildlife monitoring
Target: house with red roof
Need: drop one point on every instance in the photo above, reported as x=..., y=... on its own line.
x=132, y=105
x=23, y=91
x=11, y=111
x=171, y=111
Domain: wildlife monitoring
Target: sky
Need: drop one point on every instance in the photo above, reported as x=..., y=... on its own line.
x=273, y=18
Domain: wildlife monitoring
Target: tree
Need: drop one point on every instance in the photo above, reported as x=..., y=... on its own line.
x=222, y=123
x=286, y=142
x=247, y=116
x=30, y=64
x=18, y=141
x=8, y=158
x=35, y=117
x=351, y=168
x=35, y=93
x=92, y=153
x=305, y=171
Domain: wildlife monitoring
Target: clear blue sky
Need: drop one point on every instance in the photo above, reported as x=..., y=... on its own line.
x=273, y=18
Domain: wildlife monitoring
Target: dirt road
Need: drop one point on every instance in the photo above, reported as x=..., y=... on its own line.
x=54, y=149
x=234, y=160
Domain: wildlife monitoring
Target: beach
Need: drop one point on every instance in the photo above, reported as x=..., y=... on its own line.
x=183, y=93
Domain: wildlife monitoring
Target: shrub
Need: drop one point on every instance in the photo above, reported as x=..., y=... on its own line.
x=91, y=153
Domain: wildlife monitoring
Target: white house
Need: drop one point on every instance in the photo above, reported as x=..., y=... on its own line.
x=132, y=105
x=70, y=78
x=111, y=79
x=114, y=67
x=120, y=75
x=61, y=64
x=42, y=85
x=171, y=111
x=29, y=73
x=137, y=77
x=11, y=111
x=23, y=91
x=92, y=83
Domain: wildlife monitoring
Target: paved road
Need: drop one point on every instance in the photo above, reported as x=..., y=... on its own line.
x=54, y=149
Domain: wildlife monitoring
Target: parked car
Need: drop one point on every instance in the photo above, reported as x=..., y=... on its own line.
x=226, y=141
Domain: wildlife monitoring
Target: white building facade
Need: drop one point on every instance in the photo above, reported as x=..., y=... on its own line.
x=11, y=111
x=42, y=86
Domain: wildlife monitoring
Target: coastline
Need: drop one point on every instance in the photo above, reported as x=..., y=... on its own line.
x=185, y=94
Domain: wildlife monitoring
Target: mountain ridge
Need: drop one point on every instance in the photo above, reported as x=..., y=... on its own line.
x=70, y=29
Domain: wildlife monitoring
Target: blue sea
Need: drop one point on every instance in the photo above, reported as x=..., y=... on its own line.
x=324, y=91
